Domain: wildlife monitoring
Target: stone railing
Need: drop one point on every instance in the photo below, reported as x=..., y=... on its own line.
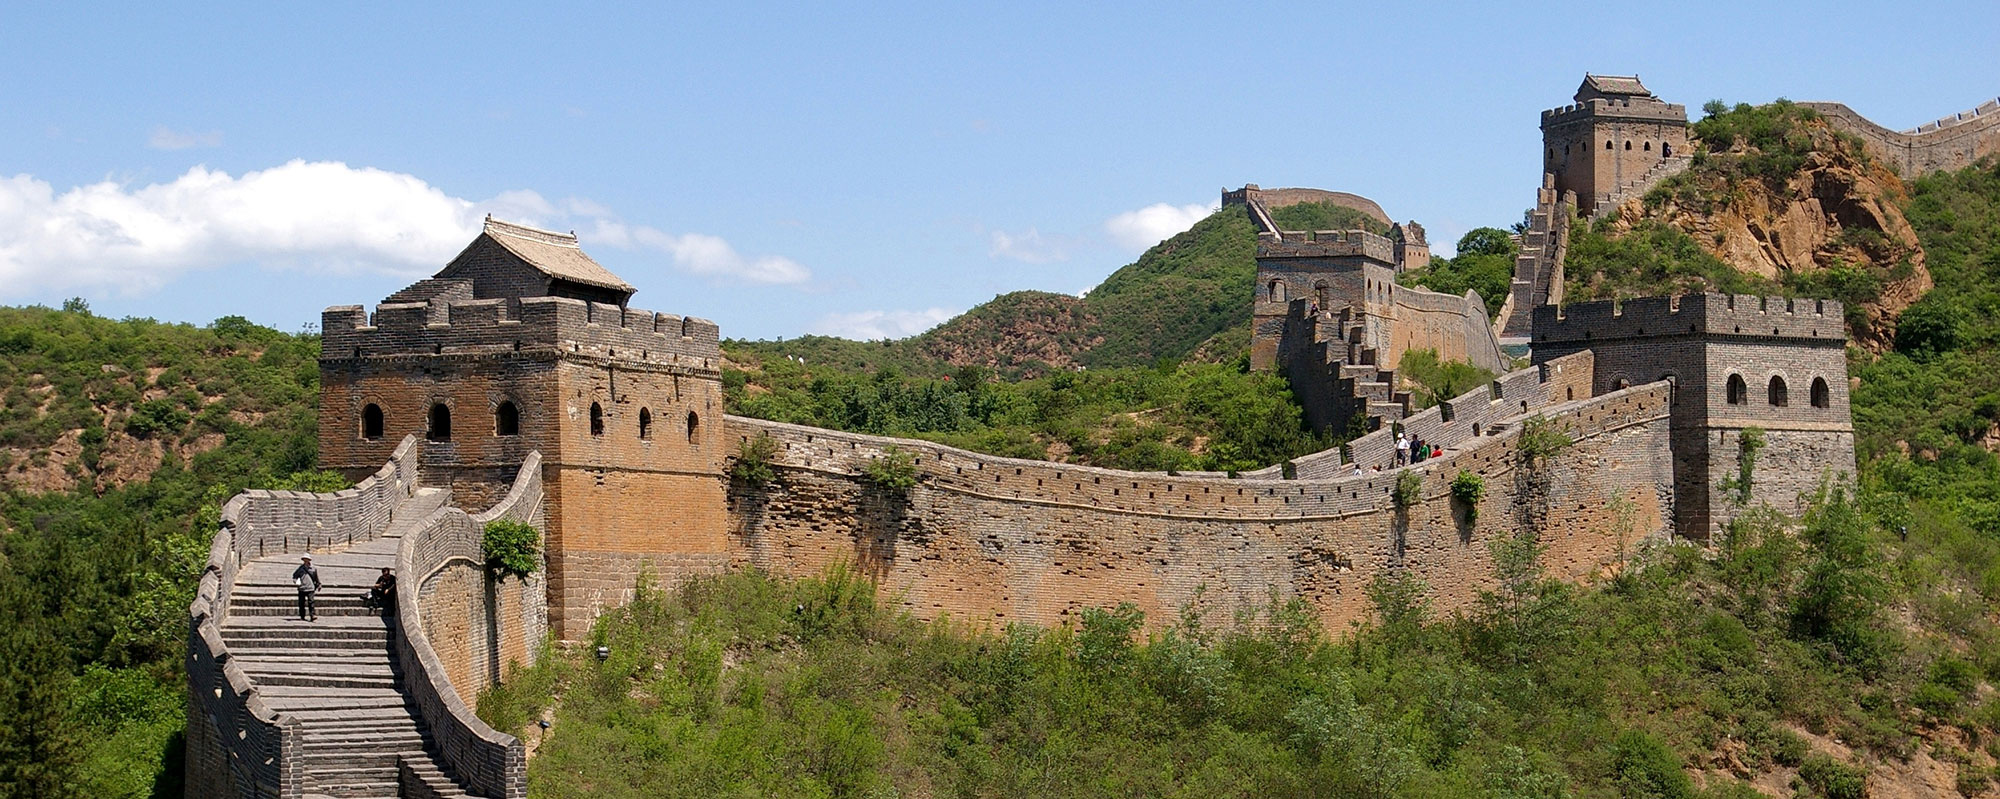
x=486, y=761
x=259, y=748
x=280, y=522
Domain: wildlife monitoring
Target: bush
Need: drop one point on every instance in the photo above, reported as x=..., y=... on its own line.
x=1409, y=488
x=511, y=547
x=1469, y=489
x=157, y=416
x=895, y=470
x=1543, y=438
x=1827, y=778
x=1644, y=768
x=753, y=461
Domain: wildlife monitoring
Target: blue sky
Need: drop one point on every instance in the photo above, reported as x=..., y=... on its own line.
x=794, y=169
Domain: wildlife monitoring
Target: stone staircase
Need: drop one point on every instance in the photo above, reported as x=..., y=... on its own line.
x=338, y=676
x=1665, y=168
x=1342, y=358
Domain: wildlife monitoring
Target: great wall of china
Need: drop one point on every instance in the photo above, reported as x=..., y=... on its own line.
x=519, y=380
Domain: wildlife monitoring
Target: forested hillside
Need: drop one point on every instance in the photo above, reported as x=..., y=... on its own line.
x=120, y=439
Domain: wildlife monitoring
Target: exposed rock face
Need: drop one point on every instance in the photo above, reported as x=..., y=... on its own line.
x=1834, y=211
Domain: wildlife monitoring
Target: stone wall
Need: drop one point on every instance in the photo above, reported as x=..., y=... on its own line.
x=234, y=737
x=1954, y=142
x=996, y=540
x=460, y=632
x=1279, y=198
x=1702, y=344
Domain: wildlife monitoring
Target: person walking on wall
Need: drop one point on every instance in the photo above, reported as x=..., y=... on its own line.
x=307, y=579
x=1402, y=449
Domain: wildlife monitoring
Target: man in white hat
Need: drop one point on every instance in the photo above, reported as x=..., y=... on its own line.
x=307, y=579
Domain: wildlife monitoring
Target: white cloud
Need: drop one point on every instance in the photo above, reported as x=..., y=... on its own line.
x=1145, y=227
x=873, y=325
x=702, y=254
x=1027, y=247
x=165, y=138
x=317, y=216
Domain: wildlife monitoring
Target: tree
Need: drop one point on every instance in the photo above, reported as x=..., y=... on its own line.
x=1487, y=241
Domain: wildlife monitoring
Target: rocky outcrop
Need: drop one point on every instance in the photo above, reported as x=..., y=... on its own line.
x=1839, y=210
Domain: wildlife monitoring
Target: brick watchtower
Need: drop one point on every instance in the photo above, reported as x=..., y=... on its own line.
x=521, y=344
x=1613, y=143
x=1737, y=362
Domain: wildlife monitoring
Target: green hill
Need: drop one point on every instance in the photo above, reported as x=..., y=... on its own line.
x=1179, y=294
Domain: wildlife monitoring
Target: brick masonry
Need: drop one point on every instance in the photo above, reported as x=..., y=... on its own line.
x=996, y=540
x=1787, y=358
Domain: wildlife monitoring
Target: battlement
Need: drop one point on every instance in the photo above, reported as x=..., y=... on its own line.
x=1326, y=244
x=1984, y=109
x=530, y=324
x=1653, y=111
x=1743, y=315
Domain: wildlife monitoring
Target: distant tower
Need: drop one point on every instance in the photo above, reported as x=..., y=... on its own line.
x=1335, y=268
x=521, y=344
x=1737, y=362
x=1614, y=143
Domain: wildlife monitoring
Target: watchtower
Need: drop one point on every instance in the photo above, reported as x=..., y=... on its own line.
x=521, y=344
x=1613, y=142
x=1333, y=268
x=1737, y=363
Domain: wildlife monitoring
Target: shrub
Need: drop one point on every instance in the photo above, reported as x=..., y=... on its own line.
x=1409, y=488
x=511, y=547
x=1642, y=766
x=156, y=416
x=895, y=470
x=1543, y=438
x=1469, y=489
x=753, y=461
x=1831, y=779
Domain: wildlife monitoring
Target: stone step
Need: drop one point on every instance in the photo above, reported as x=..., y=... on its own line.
x=352, y=678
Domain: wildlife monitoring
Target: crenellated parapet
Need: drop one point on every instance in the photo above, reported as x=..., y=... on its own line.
x=1654, y=111
x=1724, y=315
x=532, y=324
x=1327, y=244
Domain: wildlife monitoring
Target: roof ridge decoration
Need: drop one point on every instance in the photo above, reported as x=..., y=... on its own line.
x=505, y=228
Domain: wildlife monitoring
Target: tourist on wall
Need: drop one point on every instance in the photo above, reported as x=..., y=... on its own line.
x=307, y=579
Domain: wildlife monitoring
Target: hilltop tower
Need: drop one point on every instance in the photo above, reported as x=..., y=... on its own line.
x=1615, y=142
x=1737, y=363
x=521, y=344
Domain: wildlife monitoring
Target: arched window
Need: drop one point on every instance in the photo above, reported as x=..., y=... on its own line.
x=1607, y=145
x=1552, y=153
x=1666, y=150
x=506, y=419
x=1620, y=384
x=1779, y=396
x=694, y=422
x=371, y=421
x=1277, y=291
x=1628, y=145
x=645, y=424
x=686, y=327
x=1738, y=391
x=1820, y=399
x=596, y=419
x=1649, y=147
x=440, y=429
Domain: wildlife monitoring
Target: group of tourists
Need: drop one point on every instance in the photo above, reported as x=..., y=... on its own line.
x=381, y=596
x=1413, y=449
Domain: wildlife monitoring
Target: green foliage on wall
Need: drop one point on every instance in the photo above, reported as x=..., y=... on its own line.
x=511, y=548
x=1469, y=488
x=752, y=466
x=895, y=470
